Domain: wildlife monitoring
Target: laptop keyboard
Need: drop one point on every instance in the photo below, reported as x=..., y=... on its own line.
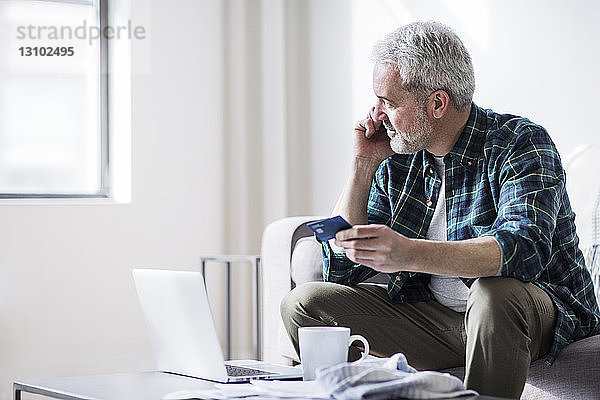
x=241, y=371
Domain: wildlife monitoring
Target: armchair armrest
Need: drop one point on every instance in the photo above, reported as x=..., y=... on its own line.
x=278, y=240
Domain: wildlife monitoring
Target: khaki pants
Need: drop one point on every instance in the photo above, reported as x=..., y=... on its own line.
x=508, y=324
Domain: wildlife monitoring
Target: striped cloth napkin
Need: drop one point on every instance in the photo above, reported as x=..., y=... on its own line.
x=387, y=378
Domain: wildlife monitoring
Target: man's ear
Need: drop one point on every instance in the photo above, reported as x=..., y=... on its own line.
x=439, y=103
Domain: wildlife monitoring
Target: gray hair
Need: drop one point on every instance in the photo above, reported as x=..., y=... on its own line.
x=429, y=57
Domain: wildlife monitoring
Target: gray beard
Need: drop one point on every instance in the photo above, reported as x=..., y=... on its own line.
x=416, y=138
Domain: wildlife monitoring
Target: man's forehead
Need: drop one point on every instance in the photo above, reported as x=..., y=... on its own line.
x=386, y=80
x=386, y=69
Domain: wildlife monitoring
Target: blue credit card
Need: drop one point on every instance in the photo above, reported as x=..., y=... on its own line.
x=326, y=229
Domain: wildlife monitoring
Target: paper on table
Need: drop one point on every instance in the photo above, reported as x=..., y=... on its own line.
x=195, y=394
x=308, y=389
x=271, y=389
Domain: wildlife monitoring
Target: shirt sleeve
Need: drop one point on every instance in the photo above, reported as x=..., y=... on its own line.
x=531, y=183
x=499, y=272
x=336, y=266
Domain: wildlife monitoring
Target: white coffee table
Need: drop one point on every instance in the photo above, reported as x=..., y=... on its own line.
x=151, y=385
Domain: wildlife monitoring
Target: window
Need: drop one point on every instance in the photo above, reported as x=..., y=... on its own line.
x=53, y=99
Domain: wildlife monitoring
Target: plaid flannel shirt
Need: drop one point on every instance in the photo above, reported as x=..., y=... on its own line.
x=504, y=178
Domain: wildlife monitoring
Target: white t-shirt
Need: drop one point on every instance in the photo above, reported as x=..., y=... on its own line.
x=448, y=291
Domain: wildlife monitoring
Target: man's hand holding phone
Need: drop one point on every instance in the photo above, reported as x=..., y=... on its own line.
x=371, y=141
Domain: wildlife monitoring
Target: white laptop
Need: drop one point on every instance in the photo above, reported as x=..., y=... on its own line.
x=182, y=331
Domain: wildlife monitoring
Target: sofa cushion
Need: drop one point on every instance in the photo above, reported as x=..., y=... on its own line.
x=574, y=375
x=583, y=186
x=592, y=262
x=307, y=261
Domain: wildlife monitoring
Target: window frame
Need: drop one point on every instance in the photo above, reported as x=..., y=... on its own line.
x=104, y=189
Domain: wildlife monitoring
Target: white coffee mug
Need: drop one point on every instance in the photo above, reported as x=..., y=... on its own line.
x=324, y=346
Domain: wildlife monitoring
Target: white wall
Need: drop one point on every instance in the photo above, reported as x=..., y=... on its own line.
x=331, y=118
x=67, y=302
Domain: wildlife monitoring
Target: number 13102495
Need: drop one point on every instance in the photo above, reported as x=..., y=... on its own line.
x=46, y=51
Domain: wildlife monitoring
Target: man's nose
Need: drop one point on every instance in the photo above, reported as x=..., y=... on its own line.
x=378, y=113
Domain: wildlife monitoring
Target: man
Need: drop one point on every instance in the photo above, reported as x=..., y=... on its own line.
x=466, y=211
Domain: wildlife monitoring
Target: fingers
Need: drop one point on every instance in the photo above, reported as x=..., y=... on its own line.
x=369, y=244
x=360, y=232
x=366, y=126
x=376, y=121
x=372, y=126
x=369, y=126
x=362, y=256
x=360, y=126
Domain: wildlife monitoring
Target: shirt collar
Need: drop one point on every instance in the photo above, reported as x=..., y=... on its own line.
x=468, y=147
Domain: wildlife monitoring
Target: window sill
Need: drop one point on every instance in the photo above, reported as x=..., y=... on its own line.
x=50, y=201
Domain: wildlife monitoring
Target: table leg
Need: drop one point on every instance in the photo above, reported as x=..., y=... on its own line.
x=228, y=309
x=255, y=308
x=254, y=260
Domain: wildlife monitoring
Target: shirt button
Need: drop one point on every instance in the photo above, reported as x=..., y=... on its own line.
x=429, y=203
x=430, y=171
x=398, y=277
x=469, y=163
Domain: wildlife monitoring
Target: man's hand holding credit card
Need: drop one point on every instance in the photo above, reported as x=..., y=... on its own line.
x=326, y=229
